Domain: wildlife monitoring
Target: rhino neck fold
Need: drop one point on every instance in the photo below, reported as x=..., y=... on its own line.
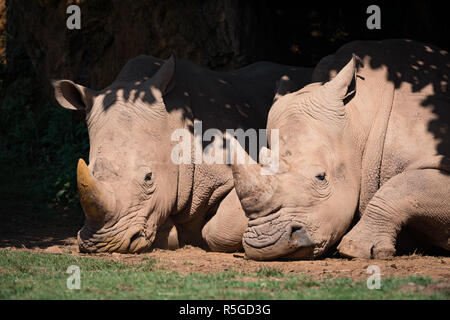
x=184, y=188
x=372, y=152
x=211, y=183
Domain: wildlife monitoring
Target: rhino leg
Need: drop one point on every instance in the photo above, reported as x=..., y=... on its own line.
x=224, y=231
x=417, y=198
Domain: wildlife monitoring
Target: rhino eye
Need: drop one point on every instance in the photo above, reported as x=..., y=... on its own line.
x=321, y=176
x=148, y=177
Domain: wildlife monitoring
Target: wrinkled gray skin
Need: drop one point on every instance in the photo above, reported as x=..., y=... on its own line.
x=133, y=195
x=379, y=155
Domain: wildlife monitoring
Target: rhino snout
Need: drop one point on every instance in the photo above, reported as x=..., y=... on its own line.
x=263, y=243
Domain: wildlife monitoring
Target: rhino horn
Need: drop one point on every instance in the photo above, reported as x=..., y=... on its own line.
x=95, y=200
x=253, y=187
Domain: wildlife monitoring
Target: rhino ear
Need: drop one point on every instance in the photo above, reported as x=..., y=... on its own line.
x=339, y=86
x=284, y=86
x=164, y=78
x=73, y=96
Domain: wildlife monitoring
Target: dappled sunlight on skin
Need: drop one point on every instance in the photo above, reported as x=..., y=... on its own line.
x=229, y=83
x=422, y=76
x=130, y=125
x=358, y=113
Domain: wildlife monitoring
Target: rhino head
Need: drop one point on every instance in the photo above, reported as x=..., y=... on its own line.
x=308, y=204
x=130, y=186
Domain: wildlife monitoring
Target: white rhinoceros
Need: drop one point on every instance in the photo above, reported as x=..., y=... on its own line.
x=132, y=192
x=372, y=144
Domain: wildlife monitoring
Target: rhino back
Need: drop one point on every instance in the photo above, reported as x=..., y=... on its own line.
x=235, y=99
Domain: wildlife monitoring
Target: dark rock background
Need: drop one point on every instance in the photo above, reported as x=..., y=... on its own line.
x=220, y=34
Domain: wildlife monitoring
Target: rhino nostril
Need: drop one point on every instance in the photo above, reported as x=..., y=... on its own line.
x=137, y=243
x=134, y=237
x=299, y=237
x=295, y=233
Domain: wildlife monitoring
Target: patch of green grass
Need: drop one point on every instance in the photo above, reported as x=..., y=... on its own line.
x=269, y=272
x=25, y=275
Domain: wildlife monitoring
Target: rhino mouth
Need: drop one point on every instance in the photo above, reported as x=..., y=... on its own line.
x=277, y=237
x=130, y=240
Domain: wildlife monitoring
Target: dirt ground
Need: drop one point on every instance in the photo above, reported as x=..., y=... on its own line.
x=59, y=240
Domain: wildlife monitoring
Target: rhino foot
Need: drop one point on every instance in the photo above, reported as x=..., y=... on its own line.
x=366, y=245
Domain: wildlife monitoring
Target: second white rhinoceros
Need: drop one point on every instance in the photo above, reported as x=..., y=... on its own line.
x=371, y=144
